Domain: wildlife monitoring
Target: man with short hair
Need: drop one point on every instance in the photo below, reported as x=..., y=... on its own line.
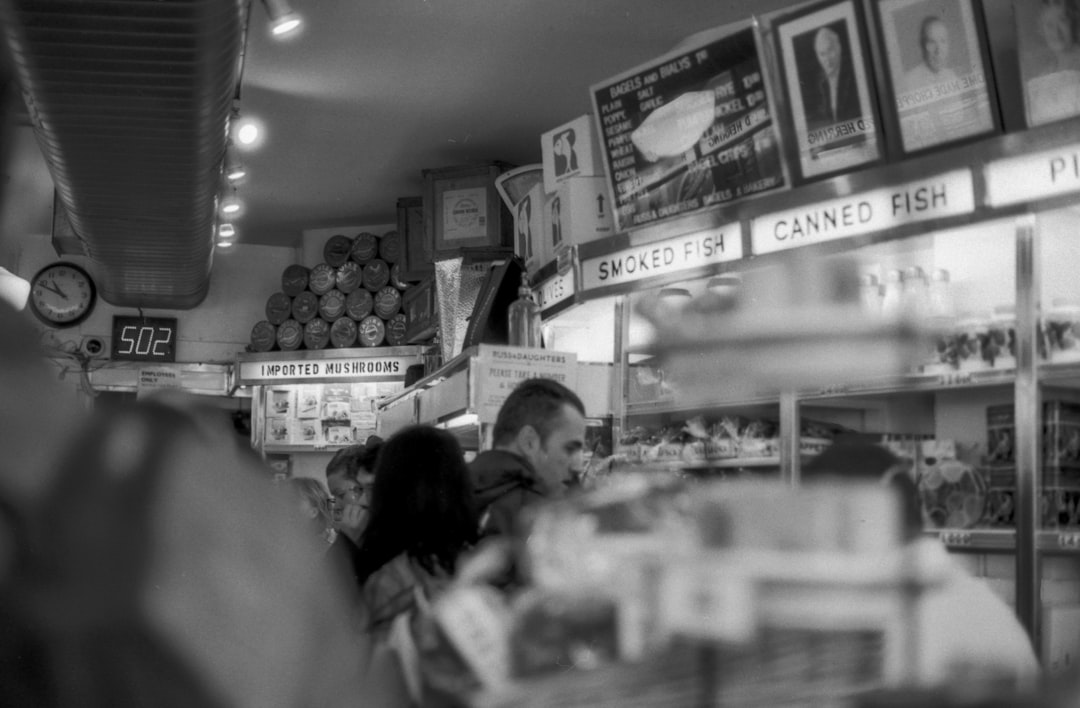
x=538, y=443
x=934, y=46
x=348, y=477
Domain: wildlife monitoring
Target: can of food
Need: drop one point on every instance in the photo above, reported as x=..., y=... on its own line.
x=294, y=280
x=337, y=249
x=395, y=330
x=332, y=305
x=263, y=336
x=395, y=277
x=305, y=306
x=322, y=278
x=317, y=334
x=365, y=247
x=372, y=331
x=343, y=332
x=387, y=302
x=390, y=247
x=358, y=304
x=278, y=308
x=290, y=335
x=348, y=277
x=376, y=274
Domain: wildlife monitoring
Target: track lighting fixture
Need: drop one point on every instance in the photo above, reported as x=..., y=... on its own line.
x=226, y=230
x=234, y=168
x=283, y=20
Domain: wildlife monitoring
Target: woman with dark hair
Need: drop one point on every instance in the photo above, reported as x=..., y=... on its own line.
x=422, y=518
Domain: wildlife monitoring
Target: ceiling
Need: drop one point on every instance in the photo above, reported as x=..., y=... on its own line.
x=371, y=92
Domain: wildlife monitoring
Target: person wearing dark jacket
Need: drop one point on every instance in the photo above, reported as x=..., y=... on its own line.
x=538, y=442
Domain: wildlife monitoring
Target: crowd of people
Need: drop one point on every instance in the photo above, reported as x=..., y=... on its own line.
x=145, y=559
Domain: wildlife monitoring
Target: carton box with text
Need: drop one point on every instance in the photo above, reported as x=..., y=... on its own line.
x=571, y=150
x=578, y=212
x=529, y=228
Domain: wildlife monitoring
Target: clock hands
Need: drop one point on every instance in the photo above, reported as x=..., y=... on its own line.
x=49, y=285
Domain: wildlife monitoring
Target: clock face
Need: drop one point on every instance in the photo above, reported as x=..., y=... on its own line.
x=62, y=294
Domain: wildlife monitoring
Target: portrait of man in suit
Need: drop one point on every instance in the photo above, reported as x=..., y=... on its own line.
x=830, y=93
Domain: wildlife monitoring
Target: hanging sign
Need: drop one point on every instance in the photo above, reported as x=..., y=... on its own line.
x=1044, y=174
x=690, y=129
x=693, y=250
x=498, y=370
x=947, y=194
x=554, y=290
x=359, y=368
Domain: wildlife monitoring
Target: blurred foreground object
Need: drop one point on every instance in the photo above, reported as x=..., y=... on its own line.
x=675, y=593
x=160, y=568
x=799, y=325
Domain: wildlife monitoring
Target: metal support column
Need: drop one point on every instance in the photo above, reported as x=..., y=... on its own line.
x=620, y=379
x=1028, y=423
x=790, y=425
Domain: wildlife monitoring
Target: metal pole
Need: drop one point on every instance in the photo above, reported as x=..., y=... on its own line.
x=1028, y=418
x=790, y=470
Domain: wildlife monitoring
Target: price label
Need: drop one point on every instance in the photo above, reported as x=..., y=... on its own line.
x=955, y=378
x=957, y=538
x=1069, y=540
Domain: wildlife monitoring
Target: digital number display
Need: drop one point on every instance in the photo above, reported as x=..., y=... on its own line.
x=144, y=338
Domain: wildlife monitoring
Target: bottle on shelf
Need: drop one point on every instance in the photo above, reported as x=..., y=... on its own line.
x=524, y=318
x=940, y=299
x=870, y=294
x=915, y=292
x=892, y=298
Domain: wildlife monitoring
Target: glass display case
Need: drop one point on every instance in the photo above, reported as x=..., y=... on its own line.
x=984, y=404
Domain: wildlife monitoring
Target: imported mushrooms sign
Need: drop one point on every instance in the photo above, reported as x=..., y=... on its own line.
x=689, y=130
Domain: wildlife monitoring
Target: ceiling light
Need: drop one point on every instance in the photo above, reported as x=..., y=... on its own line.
x=234, y=169
x=283, y=21
x=247, y=132
x=226, y=230
x=223, y=243
x=230, y=205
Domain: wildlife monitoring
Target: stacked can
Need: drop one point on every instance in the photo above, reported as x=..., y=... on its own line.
x=353, y=296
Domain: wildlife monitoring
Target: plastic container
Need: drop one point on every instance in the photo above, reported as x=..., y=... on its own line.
x=999, y=349
x=971, y=333
x=1063, y=330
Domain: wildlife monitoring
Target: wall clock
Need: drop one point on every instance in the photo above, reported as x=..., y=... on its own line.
x=63, y=294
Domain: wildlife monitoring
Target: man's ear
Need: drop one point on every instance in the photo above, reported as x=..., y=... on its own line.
x=528, y=441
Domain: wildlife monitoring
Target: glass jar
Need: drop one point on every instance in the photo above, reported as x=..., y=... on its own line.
x=892, y=298
x=1063, y=330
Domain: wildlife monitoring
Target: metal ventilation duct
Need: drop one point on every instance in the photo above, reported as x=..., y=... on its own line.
x=130, y=101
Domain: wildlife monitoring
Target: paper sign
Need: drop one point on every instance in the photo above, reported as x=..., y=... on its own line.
x=153, y=379
x=1022, y=179
x=500, y=369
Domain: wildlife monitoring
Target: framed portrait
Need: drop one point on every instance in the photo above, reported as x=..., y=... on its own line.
x=938, y=68
x=832, y=102
x=1048, y=47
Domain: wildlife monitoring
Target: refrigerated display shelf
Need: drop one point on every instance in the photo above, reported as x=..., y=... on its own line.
x=675, y=406
x=1058, y=542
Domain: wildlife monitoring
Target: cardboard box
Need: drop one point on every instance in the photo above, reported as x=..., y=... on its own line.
x=529, y=229
x=462, y=209
x=571, y=150
x=578, y=212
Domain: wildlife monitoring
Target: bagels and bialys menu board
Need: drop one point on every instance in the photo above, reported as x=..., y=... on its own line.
x=689, y=130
